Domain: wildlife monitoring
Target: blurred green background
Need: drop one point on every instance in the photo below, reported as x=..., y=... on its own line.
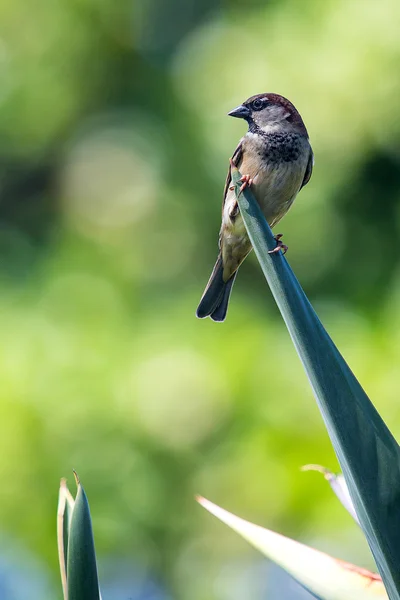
x=114, y=145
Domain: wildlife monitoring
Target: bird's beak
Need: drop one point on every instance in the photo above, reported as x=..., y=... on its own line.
x=241, y=112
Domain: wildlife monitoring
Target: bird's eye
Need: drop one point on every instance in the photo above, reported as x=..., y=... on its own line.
x=257, y=104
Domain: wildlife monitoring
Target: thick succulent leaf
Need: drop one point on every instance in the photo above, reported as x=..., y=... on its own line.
x=338, y=485
x=82, y=580
x=368, y=454
x=64, y=513
x=324, y=576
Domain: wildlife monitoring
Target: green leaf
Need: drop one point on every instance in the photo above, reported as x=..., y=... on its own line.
x=64, y=514
x=324, y=576
x=368, y=453
x=338, y=485
x=82, y=580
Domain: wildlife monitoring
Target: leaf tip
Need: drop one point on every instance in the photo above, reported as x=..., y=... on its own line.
x=325, y=472
x=77, y=480
x=204, y=503
x=212, y=508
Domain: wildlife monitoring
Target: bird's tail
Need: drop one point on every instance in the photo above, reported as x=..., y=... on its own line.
x=214, y=302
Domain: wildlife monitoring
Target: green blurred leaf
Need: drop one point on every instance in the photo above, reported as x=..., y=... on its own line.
x=64, y=514
x=338, y=485
x=82, y=580
x=327, y=577
x=368, y=453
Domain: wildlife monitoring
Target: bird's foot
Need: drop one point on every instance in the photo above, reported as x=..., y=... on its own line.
x=279, y=245
x=247, y=182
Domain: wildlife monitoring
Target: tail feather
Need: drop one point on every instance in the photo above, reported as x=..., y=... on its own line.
x=214, y=302
x=219, y=313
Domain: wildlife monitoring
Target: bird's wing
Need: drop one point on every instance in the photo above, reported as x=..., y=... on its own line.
x=309, y=168
x=236, y=158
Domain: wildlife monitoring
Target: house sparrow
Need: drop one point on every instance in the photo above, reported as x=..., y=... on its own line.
x=276, y=159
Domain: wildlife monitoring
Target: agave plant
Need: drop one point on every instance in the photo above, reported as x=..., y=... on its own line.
x=367, y=452
x=326, y=577
x=76, y=551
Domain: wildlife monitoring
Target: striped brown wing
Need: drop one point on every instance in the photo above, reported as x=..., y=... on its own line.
x=236, y=157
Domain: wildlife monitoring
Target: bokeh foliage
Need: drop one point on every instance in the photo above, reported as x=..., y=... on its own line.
x=114, y=143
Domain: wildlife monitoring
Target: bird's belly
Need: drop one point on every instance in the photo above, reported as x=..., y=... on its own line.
x=275, y=189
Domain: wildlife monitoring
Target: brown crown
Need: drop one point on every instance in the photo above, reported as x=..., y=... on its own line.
x=294, y=117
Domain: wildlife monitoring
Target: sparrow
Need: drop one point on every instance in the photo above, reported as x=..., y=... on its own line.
x=276, y=160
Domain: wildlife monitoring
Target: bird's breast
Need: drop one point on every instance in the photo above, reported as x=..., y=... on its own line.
x=277, y=163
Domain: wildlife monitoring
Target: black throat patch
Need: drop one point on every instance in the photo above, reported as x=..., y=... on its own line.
x=278, y=146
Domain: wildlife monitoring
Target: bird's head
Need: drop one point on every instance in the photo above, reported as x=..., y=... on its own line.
x=269, y=112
